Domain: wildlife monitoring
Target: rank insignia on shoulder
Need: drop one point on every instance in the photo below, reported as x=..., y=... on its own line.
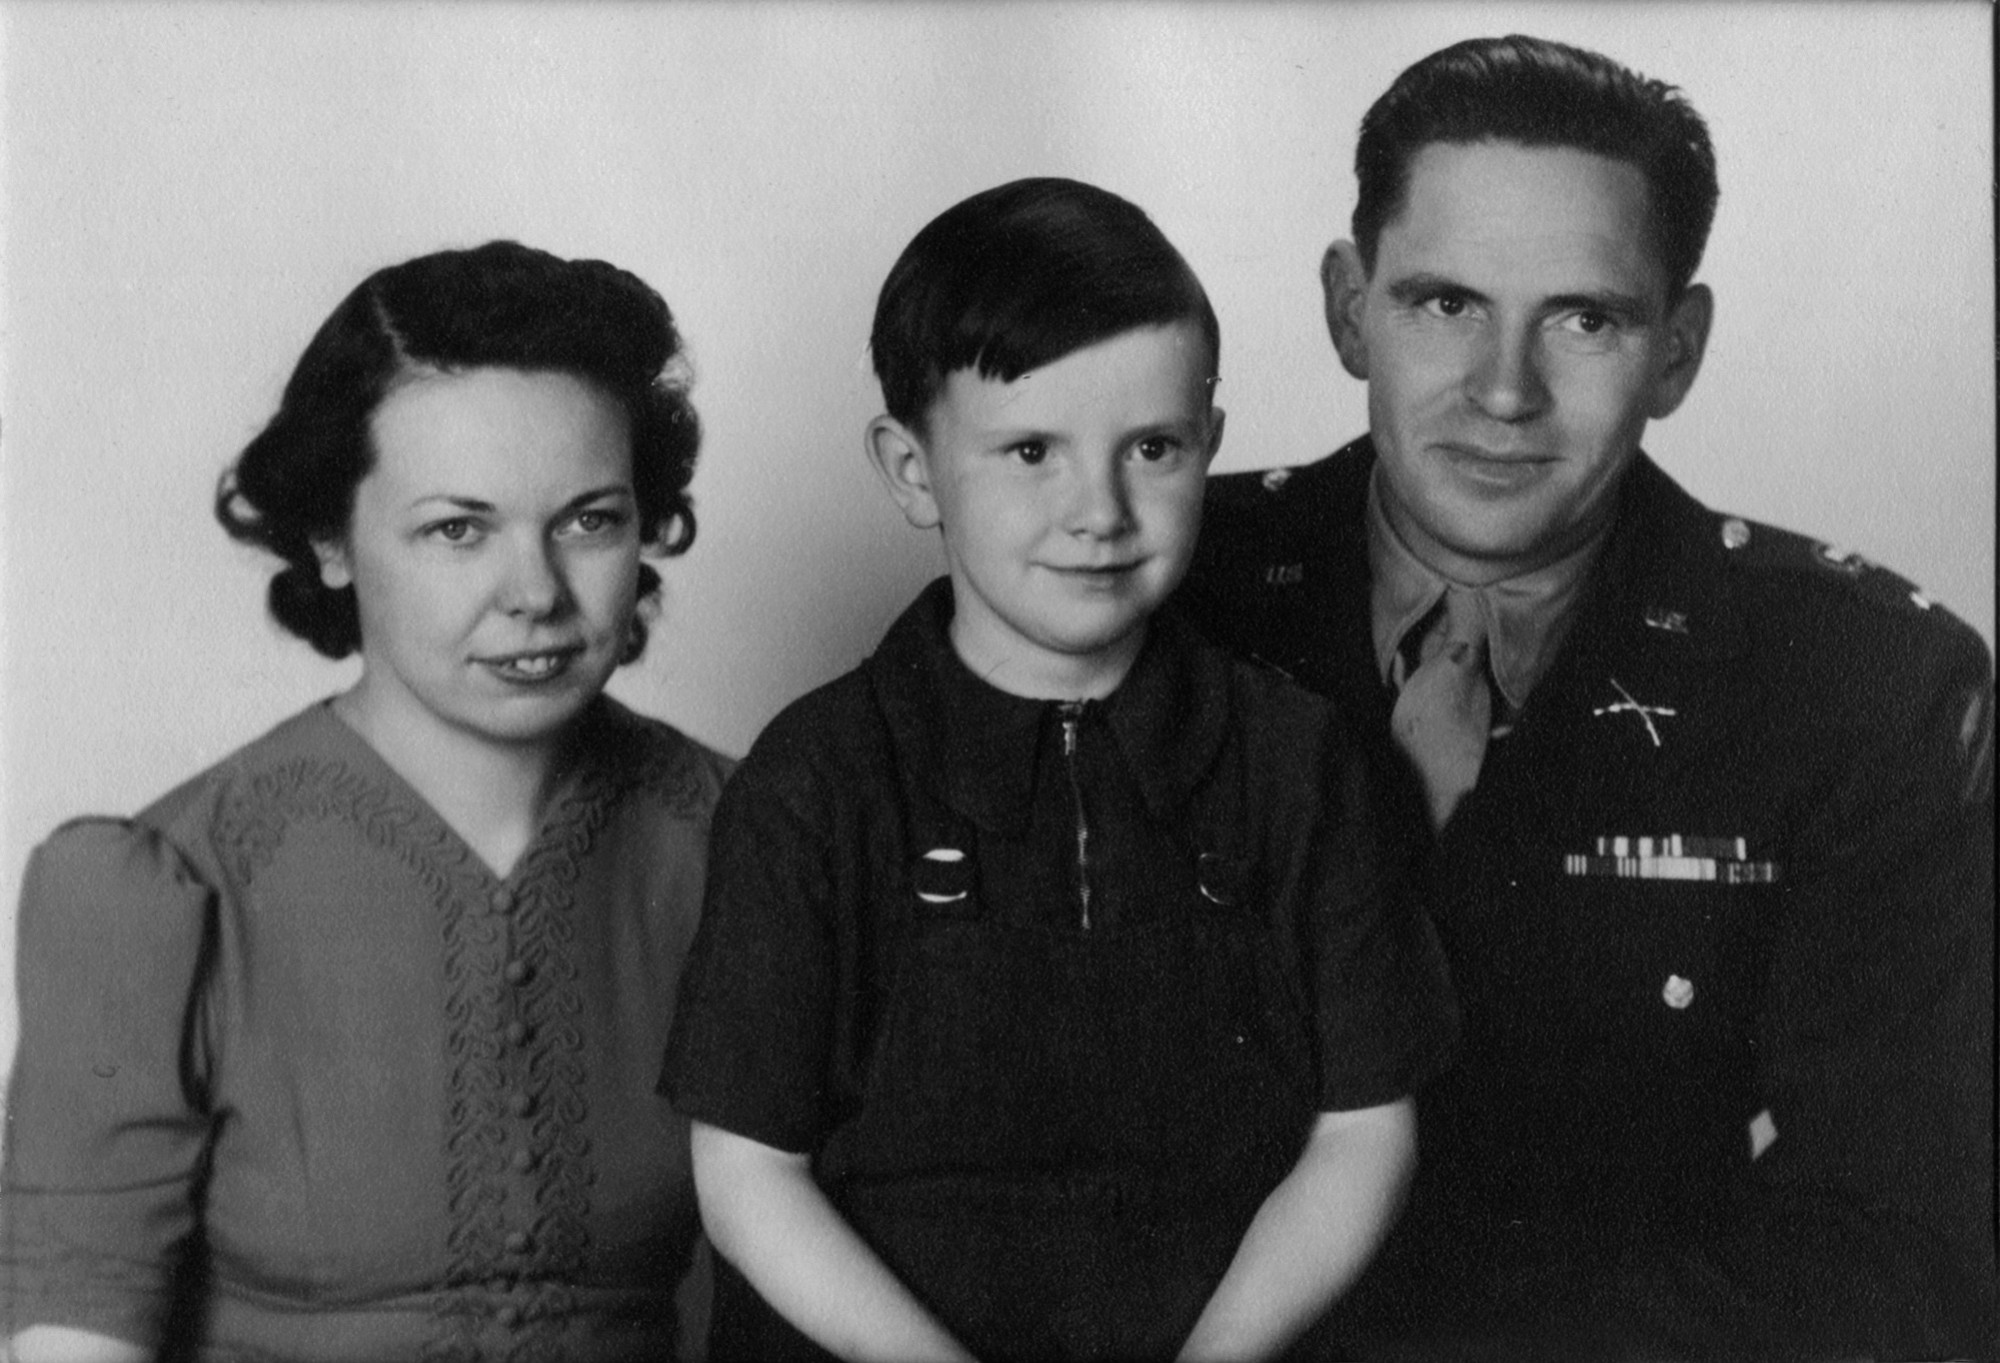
x=1673, y=856
x=1842, y=560
x=1673, y=622
x=1274, y=479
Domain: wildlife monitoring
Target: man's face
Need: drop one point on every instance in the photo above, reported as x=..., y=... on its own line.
x=1516, y=335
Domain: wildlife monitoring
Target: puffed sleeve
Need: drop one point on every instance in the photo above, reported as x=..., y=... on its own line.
x=106, y=1124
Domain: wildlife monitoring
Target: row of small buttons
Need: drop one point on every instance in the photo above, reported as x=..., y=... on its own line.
x=520, y=1103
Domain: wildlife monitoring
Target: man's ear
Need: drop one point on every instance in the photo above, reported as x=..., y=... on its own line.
x=898, y=455
x=335, y=571
x=1345, y=283
x=1687, y=338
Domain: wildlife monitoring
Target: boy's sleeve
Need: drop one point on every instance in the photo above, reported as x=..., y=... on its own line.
x=1384, y=1017
x=749, y=1047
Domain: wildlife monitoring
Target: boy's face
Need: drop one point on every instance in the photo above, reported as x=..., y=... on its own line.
x=1069, y=501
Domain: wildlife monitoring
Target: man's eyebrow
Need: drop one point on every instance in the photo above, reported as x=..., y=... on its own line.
x=1605, y=300
x=1417, y=287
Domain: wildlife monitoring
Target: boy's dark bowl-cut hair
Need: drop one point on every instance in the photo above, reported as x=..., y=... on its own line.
x=1538, y=93
x=1019, y=276
x=498, y=306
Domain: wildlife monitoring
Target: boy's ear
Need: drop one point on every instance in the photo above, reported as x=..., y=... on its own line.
x=898, y=455
x=1345, y=284
x=1216, y=416
x=335, y=571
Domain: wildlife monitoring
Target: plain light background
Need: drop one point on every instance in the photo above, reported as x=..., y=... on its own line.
x=189, y=188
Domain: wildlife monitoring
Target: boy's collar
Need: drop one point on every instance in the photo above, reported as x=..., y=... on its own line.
x=978, y=745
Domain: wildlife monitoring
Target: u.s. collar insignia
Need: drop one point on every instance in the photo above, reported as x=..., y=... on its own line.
x=1284, y=574
x=1628, y=704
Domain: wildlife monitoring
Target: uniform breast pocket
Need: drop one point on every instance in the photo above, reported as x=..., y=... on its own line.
x=1677, y=964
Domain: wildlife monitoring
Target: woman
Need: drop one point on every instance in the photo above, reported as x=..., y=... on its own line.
x=346, y=1049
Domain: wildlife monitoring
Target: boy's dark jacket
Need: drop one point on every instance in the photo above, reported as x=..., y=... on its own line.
x=1055, y=1132
x=1588, y=1160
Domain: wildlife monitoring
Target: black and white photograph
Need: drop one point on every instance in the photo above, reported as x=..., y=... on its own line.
x=997, y=679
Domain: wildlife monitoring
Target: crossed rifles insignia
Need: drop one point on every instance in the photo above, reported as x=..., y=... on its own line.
x=1629, y=704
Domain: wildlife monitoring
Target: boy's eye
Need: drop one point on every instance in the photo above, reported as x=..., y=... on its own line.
x=1156, y=449
x=1029, y=451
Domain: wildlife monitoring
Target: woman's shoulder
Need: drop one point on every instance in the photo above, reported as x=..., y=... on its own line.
x=171, y=839
x=652, y=758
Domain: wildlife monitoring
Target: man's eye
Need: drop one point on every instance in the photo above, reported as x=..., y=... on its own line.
x=1447, y=305
x=1029, y=451
x=1589, y=322
x=1156, y=449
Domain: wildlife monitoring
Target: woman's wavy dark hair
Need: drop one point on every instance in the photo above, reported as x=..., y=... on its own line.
x=501, y=305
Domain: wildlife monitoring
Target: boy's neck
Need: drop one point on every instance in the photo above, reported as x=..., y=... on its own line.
x=1045, y=674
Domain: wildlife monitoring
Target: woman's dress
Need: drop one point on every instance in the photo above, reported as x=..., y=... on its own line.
x=291, y=1051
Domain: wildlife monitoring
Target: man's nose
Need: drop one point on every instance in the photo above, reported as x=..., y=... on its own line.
x=1506, y=382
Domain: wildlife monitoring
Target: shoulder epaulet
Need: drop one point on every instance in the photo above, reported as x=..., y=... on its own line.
x=1767, y=548
x=1254, y=485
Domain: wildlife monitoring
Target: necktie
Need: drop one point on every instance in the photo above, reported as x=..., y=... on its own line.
x=1444, y=713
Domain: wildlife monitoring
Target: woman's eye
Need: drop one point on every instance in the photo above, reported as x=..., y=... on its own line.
x=596, y=522
x=1029, y=452
x=457, y=530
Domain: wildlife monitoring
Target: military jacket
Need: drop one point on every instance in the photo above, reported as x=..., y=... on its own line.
x=1719, y=915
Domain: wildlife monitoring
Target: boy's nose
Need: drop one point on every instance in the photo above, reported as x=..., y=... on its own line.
x=1101, y=507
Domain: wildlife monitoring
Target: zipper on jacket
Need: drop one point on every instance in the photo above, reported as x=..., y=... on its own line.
x=1072, y=711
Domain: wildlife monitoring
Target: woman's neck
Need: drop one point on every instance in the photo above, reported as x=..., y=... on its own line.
x=493, y=795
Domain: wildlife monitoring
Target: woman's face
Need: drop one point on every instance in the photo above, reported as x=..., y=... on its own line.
x=494, y=553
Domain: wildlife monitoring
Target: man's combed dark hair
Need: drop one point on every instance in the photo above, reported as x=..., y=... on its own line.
x=501, y=305
x=1542, y=94
x=1019, y=276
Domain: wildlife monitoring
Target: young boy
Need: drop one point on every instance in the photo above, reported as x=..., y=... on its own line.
x=1044, y=1005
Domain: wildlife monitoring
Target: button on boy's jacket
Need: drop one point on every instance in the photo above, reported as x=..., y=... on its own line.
x=1730, y=874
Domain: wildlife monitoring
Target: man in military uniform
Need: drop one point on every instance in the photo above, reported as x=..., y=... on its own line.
x=1702, y=810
